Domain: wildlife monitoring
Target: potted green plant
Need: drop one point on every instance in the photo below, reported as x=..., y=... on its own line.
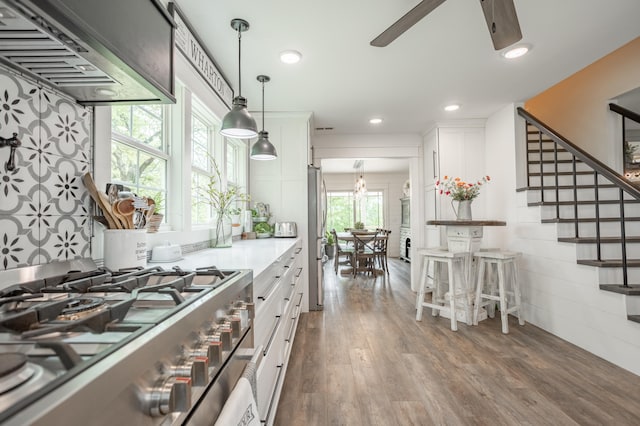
x=329, y=247
x=223, y=200
x=359, y=226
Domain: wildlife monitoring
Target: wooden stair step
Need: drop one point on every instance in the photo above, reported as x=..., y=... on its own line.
x=537, y=151
x=553, y=161
x=565, y=187
x=635, y=318
x=631, y=290
x=610, y=263
x=589, y=220
x=580, y=203
x=579, y=172
x=603, y=240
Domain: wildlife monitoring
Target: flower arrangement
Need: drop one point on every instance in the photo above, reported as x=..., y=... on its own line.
x=460, y=190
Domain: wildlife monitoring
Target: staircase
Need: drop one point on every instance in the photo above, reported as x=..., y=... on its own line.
x=593, y=206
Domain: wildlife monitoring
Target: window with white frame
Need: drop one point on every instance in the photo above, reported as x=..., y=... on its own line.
x=139, y=154
x=236, y=167
x=344, y=209
x=203, y=131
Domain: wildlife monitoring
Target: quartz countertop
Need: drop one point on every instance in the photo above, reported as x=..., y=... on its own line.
x=255, y=254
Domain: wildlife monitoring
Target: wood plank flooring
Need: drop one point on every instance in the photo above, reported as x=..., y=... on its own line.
x=364, y=360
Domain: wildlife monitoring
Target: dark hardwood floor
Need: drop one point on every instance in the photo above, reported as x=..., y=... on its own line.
x=364, y=360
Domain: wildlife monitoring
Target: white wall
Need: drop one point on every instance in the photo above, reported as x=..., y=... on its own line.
x=559, y=295
x=391, y=184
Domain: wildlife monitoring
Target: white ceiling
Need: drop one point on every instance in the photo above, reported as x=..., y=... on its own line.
x=446, y=57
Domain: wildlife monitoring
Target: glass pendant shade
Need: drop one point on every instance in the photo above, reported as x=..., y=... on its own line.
x=238, y=123
x=263, y=149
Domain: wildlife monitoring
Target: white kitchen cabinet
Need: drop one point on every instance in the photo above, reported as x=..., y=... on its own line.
x=454, y=149
x=282, y=183
x=278, y=294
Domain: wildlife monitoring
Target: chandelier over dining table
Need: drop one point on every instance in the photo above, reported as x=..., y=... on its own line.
x=360, y=188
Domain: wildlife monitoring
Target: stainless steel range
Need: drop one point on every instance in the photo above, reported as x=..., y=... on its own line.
x=83, y=345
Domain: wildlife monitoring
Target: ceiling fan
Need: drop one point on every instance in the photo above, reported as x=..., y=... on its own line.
x=500, y=15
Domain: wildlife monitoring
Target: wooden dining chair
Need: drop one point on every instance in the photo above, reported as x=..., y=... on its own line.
x=364, y=255
x=380, y=248
x=342, y=250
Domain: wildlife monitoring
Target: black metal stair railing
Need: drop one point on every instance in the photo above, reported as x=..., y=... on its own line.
x=565, y=152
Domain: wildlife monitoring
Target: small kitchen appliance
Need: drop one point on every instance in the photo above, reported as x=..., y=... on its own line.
x=285, y=230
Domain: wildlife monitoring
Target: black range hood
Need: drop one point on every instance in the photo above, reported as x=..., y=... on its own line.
x=98, y=52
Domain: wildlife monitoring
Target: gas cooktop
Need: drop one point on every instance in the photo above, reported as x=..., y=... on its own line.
x=58, y=321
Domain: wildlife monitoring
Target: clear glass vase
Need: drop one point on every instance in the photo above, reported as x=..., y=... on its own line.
x=221, y=231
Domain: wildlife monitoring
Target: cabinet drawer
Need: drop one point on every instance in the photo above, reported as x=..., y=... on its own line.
x=268, y=308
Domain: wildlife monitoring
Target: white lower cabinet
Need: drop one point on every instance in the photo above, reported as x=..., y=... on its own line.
x=278, y=293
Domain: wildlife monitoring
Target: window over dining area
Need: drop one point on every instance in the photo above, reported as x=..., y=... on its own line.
x=344, y=209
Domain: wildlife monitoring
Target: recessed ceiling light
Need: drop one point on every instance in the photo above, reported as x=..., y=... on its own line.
x=375, y=121
x=452, y=107
x=290, y=56
x=516, y=51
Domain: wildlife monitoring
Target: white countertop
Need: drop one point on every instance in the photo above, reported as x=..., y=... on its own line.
x=255, y=254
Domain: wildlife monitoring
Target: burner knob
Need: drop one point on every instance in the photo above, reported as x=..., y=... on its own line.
x=169, y=395
x=213, y=342
x=195, y=368
x=215, y=353
x=235, y=323
x=246, y=306
x=199, y=369
x=225, y=336
x=244, y=316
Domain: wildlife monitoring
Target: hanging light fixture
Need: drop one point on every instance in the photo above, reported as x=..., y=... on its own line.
x=238, y=123
x=360, y=188
x=263, y=149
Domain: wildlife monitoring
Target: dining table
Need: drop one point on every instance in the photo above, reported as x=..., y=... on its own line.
x=466, y=236
x=349, y=239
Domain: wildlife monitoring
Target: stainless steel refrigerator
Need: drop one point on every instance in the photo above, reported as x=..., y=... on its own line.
x=317, y=221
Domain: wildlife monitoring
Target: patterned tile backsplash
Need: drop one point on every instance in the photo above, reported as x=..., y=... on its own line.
x=44, y=206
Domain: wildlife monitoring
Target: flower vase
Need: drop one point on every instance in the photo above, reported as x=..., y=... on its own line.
x=464, y=209
x=221, y=232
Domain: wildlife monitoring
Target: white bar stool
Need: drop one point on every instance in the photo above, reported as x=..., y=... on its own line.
x=486, y=294
x=455, y=267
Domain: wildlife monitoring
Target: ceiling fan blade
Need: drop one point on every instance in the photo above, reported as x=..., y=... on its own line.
x=407, y=21
x=502, y=22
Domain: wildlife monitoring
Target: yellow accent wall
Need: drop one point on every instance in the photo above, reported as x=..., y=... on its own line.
x=577, y=107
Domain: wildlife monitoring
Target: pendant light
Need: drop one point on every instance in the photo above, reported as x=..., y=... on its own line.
x=263, y=149
x=238, y=123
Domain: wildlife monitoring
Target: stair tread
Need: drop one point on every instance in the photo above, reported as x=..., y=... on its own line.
x=631, y=290
x=553, y=161
x=592, y=240
x=610, y=263
x=589, y=219
x=559, y=150
x=580, y=203
x=579, y=172
x=587, y=186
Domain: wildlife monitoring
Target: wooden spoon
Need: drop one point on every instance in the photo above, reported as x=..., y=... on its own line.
x=118, y=217
x=125, y=208
x=102, y=200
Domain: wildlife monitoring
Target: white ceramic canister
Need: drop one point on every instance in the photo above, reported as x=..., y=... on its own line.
x=125, y=248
